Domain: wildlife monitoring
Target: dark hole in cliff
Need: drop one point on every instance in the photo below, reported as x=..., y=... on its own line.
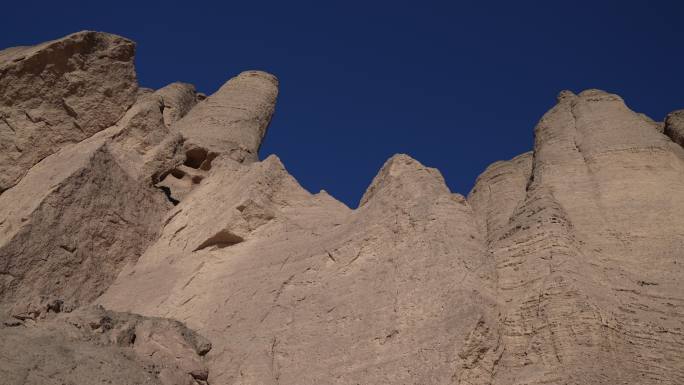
x=223, y=238
x=55, y=306
x=196, y=179
x=195, y=157
x=199, y=158
x=178, y=174
x=167, y=192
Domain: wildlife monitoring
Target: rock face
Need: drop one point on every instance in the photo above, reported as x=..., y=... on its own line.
x=588, y=258
x=69, y=226
x=233, y=120
x=60, y=92
x=563, y=265
x=94, y=345
x=296, y=288
x=674, y=126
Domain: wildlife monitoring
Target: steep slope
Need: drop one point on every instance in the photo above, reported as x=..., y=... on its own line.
x=77, y=216
x=589, y=260
x=296, y=288
x=139, y=212
x=234, y=119
x=674, y=126
x=69, y=226
x=60, y=92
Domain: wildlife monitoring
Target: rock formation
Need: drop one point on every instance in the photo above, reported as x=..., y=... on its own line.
x=143, y=241
x=588, y=259
x=94, y=345
x=58, y=93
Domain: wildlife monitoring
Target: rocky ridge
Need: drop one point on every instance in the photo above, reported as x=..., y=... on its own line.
x=143, y=241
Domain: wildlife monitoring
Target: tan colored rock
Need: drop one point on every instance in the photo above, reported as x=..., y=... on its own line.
x=89, y=187
x=234, y=119
x=658, y=126
x=71, y=223
x=563, y=266
x=674, y=127
x=178, y=99
x=93, y=345
x=588, y=264
x=143, y=139
x=498, y=191
x=232, y=122
x=296, y=288
x=58, y=93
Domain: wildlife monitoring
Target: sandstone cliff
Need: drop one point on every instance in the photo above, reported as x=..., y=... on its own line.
x=143, y=241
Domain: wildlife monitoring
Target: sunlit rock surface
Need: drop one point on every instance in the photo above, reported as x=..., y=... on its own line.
x=143, y=241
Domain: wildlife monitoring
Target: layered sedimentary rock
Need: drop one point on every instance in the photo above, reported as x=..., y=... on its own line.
x=561, y=267
x=588, y=262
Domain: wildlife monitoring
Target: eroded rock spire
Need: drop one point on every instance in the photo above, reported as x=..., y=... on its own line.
x=141, y=209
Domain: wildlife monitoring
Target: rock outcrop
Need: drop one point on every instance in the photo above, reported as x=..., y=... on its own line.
x=588, y=259
x=154, y=247
x=674, y=127
x=297, y=288
x=58, y=93
x=71, y=224
x=234, y=119
x=94, y=345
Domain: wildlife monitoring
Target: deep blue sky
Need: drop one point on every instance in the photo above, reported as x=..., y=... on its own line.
x=457, y=85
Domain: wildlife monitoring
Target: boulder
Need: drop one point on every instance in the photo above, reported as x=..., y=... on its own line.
x=59, y=93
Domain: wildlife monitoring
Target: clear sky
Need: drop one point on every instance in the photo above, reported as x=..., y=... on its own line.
x=455, y=84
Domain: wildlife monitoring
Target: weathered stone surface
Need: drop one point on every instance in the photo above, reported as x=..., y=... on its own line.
x=69, y=226
x=674, y=127
x=588, y=263
x=94, y=345
x=498, y=191
x=231, y=122
x=234, y=119
x=297, y=288
x=58, y=93
x=563, y=266
x=144, y=141
x=71, y=223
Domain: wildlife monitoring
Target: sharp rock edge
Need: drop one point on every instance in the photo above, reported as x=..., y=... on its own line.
x=143, y=241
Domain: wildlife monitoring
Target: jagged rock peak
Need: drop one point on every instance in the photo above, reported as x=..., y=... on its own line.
x=114, y=46
x=590, y=94
x=565, y=94
x=403, y=178
x=235, y=118
x=60, y=92
x=564, y=265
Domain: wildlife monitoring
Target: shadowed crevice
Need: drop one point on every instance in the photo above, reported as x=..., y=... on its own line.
x=220, y=240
